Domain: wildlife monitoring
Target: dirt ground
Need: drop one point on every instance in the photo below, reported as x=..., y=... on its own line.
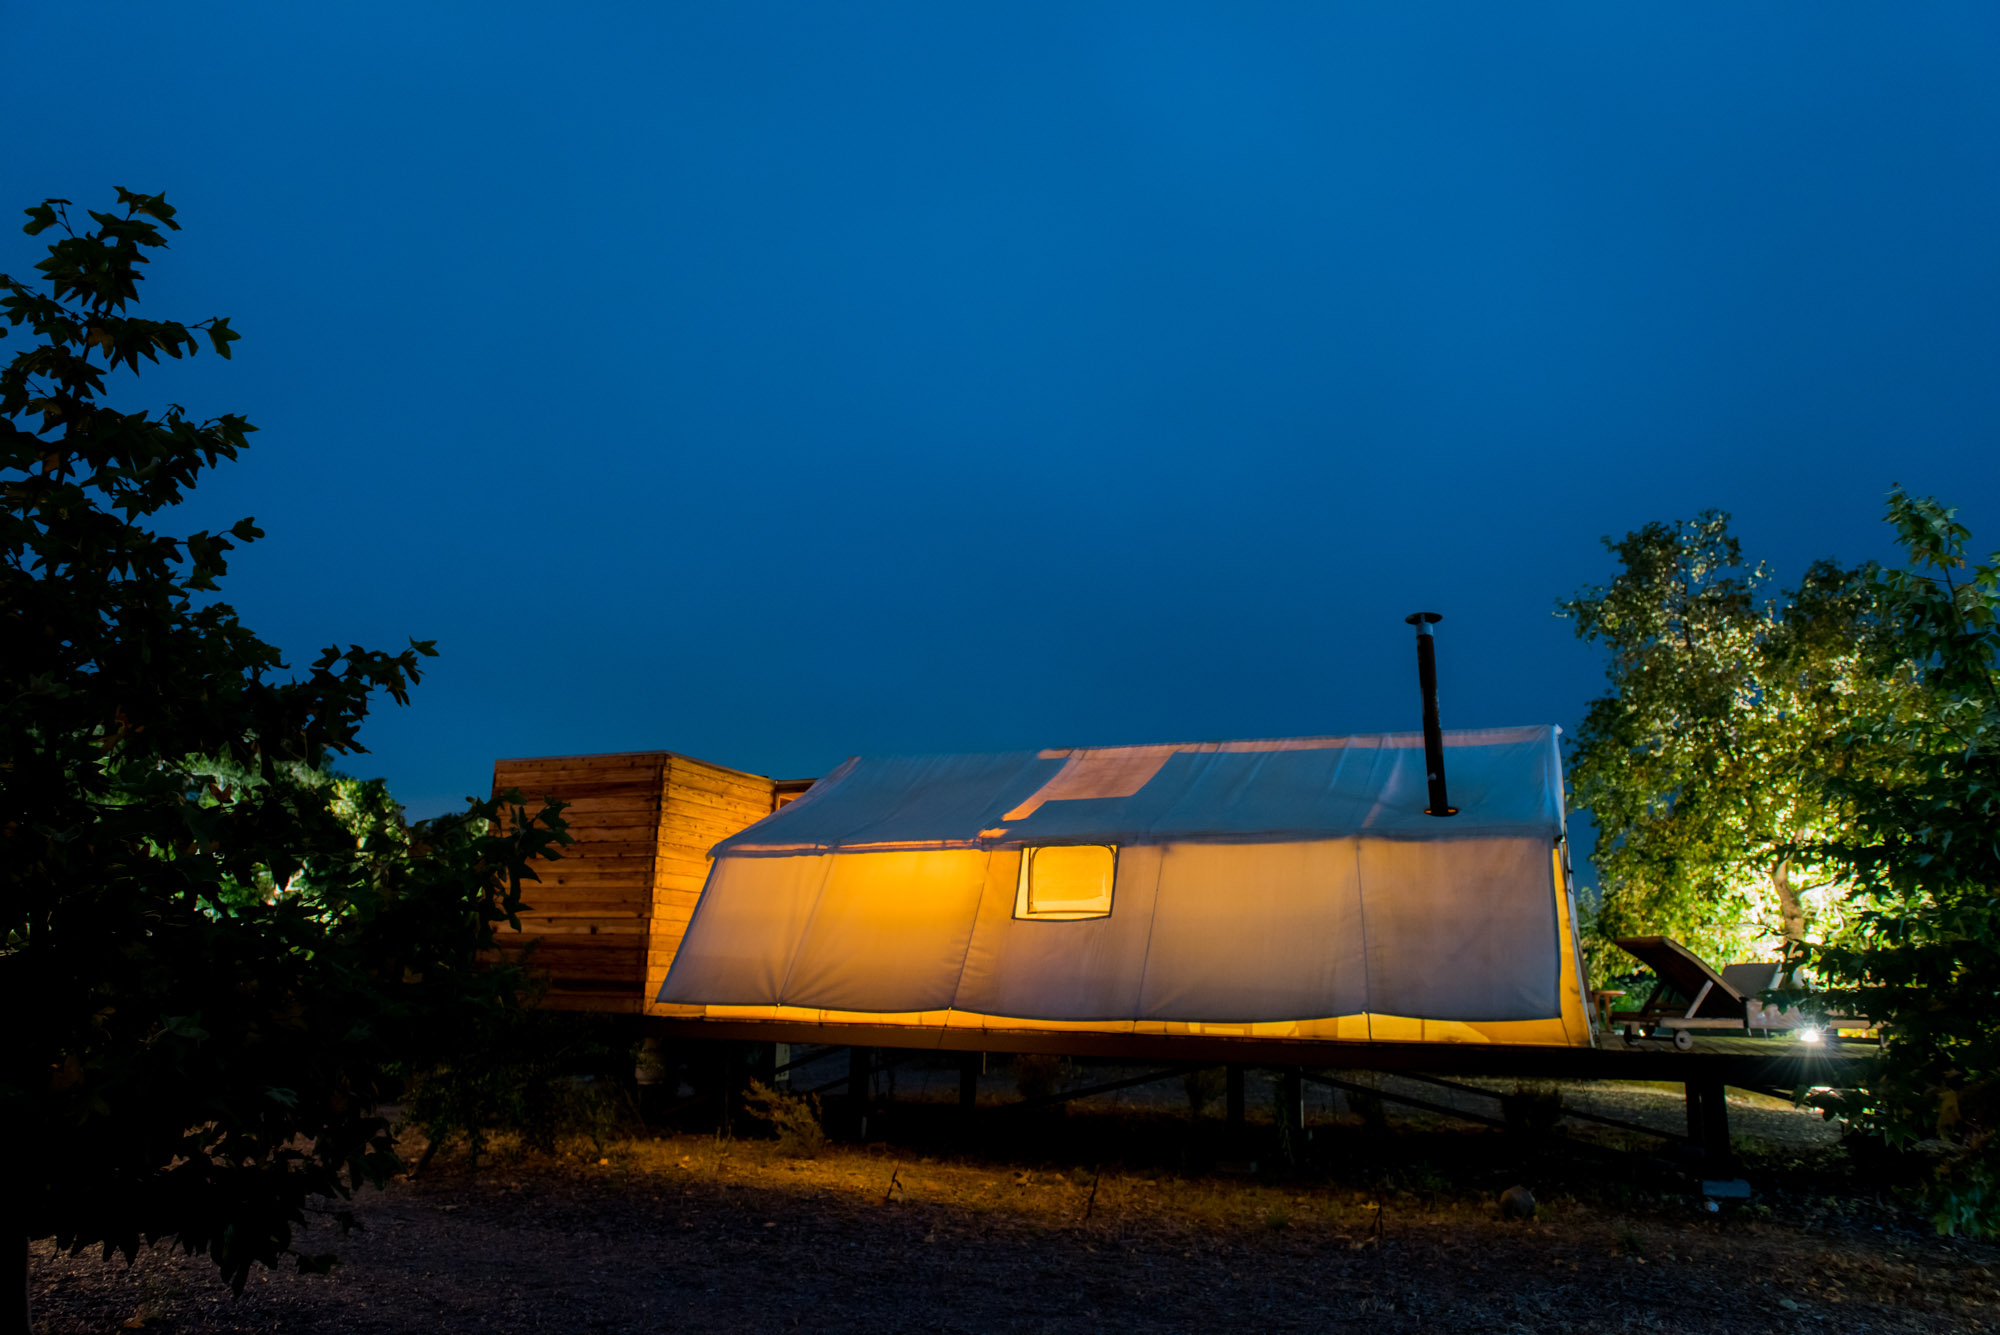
x=1121, y=1215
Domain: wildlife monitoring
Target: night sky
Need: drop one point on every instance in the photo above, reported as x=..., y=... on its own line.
x=777, y=383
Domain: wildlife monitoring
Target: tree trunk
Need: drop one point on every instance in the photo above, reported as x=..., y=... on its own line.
x=1791, y=909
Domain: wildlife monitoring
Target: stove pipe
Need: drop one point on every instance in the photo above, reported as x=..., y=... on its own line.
x=1427, y=678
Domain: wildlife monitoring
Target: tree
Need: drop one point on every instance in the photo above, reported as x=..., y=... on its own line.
x=216, y=954
x=1694, y=764
x=1917, y=772
x=1848, y=732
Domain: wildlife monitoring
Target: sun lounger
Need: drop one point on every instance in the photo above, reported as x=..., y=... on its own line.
x=1690, y=994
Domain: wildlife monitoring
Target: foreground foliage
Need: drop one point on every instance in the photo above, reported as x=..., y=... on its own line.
x=537, y=1076
x=216, y=954
x=1917, y=774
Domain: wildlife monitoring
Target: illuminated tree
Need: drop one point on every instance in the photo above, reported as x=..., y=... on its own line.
x=1694, y=765
x=1846, y=735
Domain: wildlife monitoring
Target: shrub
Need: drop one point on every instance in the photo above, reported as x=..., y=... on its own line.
x=794, y=1117
x=544, y=1076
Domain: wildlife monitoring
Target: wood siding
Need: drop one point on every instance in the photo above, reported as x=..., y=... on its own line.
x=606, y=919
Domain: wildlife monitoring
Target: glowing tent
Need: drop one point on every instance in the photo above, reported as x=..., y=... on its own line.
x=1291, y=888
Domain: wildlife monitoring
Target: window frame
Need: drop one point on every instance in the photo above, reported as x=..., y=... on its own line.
x=1024, y=877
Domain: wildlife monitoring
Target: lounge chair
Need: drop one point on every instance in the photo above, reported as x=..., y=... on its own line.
x=1691, y=995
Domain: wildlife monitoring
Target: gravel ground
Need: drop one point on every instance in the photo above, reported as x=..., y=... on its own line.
x=1390, y=1233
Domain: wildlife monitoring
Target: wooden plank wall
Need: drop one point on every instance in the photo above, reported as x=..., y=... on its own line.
x=588, y=914
x=609, y=915
x=701, y=805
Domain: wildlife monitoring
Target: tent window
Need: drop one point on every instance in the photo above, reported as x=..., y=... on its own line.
x=1066, y=882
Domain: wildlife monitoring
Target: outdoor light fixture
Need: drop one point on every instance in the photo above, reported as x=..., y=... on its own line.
x=1427, y=679
x=1812, y=1035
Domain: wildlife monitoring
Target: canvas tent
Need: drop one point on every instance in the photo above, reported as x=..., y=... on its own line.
x=1289, y=888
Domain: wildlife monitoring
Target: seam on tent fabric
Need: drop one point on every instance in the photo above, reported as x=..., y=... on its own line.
x=1367, y=968
x=1146, y=960
x=985, y=881
x=798, y=945
x=1361, y=893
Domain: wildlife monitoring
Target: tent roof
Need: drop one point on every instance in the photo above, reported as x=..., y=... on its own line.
x=1504, y=781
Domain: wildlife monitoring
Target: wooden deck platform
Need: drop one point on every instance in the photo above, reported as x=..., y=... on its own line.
x=1749, y=1063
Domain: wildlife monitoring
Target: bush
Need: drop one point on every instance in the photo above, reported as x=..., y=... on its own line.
x=794, y=1117
x=544, y=1076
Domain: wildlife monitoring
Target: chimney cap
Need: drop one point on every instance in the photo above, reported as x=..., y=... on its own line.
x=1430, y=618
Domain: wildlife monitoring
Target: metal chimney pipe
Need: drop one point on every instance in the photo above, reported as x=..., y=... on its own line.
x=1427, y=678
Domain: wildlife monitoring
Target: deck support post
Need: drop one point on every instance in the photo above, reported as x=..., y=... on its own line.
x=1292, y=1099
x=969, y=1066
x=729, y=1087
x=1232, y=1099
x=860, y=1062
x=1708, y=1124
x=764, y=1067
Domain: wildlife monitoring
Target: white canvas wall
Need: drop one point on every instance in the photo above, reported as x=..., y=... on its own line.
x=1464, y=930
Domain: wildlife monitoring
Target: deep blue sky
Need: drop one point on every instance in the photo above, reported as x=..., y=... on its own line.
x=774, y=383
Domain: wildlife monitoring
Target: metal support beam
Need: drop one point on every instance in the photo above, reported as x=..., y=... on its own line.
x=868, y=1067
x=1425, y=1104
x=805, y=1057
x=1071, y=1095
x=1577, y=1113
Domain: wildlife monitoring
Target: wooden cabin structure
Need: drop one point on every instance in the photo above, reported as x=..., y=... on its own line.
x=604, y=921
